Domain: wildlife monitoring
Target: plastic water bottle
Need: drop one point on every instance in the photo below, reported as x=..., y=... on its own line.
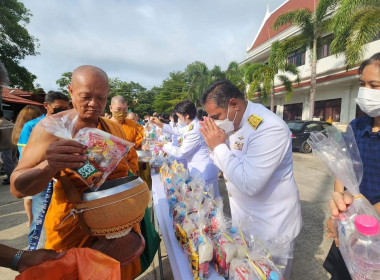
x=365, y=246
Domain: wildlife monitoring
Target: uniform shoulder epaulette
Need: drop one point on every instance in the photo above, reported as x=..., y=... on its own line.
x=254, y=121
x=191, y=127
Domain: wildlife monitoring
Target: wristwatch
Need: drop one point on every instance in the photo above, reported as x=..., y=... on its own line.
x=16, y=259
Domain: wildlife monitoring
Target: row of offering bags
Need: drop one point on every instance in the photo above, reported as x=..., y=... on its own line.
x=104, y=150
x=358, y=226
x=207, y=237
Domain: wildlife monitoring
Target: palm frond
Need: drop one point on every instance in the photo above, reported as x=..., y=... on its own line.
x=366, y=27
x=323, y=8
x=288, y=86
x=297, y=17
x=293, y=43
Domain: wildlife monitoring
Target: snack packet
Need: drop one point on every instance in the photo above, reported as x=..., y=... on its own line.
x=104, y=151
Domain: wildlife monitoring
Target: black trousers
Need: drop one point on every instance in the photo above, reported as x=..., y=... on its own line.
x=335, y=265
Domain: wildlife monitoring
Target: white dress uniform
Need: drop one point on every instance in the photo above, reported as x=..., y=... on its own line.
x=258, y=170
x=195, y=151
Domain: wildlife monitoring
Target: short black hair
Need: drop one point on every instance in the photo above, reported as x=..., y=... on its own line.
x=375, y=59
x=1, y=113
x=201, y=113
x=186, y=107
x=52, y=96
x=174, y=116
x=221, y=92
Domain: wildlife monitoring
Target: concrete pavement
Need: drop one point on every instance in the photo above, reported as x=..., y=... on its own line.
x=315, y=188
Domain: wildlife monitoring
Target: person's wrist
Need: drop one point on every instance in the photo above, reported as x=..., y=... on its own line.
x=16, y=260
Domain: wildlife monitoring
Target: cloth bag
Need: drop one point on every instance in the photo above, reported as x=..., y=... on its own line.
x=77, y=263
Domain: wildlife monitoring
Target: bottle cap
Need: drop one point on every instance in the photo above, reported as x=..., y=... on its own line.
x=366, y=224
x=273, y=275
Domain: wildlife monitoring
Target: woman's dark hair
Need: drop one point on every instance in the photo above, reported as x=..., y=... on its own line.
x=201, y=113
x=186, y=107
x=174, y=116
x=221, y=92
x=164, y=118
x=375, y=59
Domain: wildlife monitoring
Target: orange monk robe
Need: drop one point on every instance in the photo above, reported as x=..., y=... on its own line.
x=134, y=132
x=63, y=234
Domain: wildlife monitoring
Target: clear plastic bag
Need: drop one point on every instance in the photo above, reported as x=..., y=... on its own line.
x=340, y=153
x=104, y=151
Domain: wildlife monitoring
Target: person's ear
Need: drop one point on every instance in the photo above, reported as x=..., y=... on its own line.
x=110, y=107
x=46, y=106
x=234, y=103
x=70, y=88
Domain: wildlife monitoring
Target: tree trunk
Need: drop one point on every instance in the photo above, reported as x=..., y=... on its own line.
x=272, y=101
x=313, y=79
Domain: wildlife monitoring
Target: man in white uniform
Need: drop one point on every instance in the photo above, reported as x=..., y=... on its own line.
x=257, y=163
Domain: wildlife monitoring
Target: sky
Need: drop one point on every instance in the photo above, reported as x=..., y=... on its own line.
x=140, y=40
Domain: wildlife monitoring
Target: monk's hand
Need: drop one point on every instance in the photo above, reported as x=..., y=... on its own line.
x=31, y=258
x=65, y=154
x=212, y=134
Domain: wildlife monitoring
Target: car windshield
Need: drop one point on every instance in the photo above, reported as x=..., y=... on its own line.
x=295, y=125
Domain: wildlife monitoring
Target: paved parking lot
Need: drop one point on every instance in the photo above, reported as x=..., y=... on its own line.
x=315, y=188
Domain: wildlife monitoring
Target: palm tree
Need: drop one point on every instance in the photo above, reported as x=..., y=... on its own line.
x=235, y=74
x=261, y=76
x=356, y=23
x=313, y=26
x=197, y=78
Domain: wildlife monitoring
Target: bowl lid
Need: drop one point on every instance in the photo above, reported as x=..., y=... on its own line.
x=112, y=187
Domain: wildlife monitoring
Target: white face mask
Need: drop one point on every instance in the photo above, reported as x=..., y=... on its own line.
x=226, y=125
x=369, y=101
x=181, y=122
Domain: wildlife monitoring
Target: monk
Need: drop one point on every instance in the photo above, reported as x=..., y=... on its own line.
x=46, y=157
x=119, y=111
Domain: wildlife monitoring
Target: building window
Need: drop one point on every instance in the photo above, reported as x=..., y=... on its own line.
x=323, y=48
x=297, y=57
x=275, y=108
x=292, y=112
x=325, y=109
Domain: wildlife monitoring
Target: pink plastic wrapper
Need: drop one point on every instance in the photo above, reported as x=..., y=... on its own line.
x=104, y=151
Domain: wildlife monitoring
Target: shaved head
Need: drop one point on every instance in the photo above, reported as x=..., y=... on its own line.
x=83, y=71
x=88, y=90
x=118, y=99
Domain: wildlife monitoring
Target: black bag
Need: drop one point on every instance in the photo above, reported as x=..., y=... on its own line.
x=334, y=264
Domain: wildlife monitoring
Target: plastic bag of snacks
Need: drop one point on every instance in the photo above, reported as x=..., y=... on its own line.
x=199, y=252
x=104, y=151
x=358, y=226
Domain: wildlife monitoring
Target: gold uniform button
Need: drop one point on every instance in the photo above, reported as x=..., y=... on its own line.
x=229, y=194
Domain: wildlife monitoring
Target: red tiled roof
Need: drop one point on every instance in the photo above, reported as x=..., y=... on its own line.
x=267, y=30
x=15, y=98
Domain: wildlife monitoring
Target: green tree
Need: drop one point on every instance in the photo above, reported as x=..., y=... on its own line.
x=145, y=103
x=16, y=43
x=169, y=93
x=235, y=74
x=261, y=76
x=198, y=78
x=130, y=91
x=64, y=81
x=355, y=24
x=313, y=26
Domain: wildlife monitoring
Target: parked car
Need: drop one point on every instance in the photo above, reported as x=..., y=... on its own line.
x=301, y=132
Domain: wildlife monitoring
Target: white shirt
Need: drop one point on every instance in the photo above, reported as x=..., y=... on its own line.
x=194, y=150
x=258, y=169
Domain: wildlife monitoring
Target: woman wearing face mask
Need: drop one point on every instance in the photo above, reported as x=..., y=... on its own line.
x=367, y=135
x=193, y=147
